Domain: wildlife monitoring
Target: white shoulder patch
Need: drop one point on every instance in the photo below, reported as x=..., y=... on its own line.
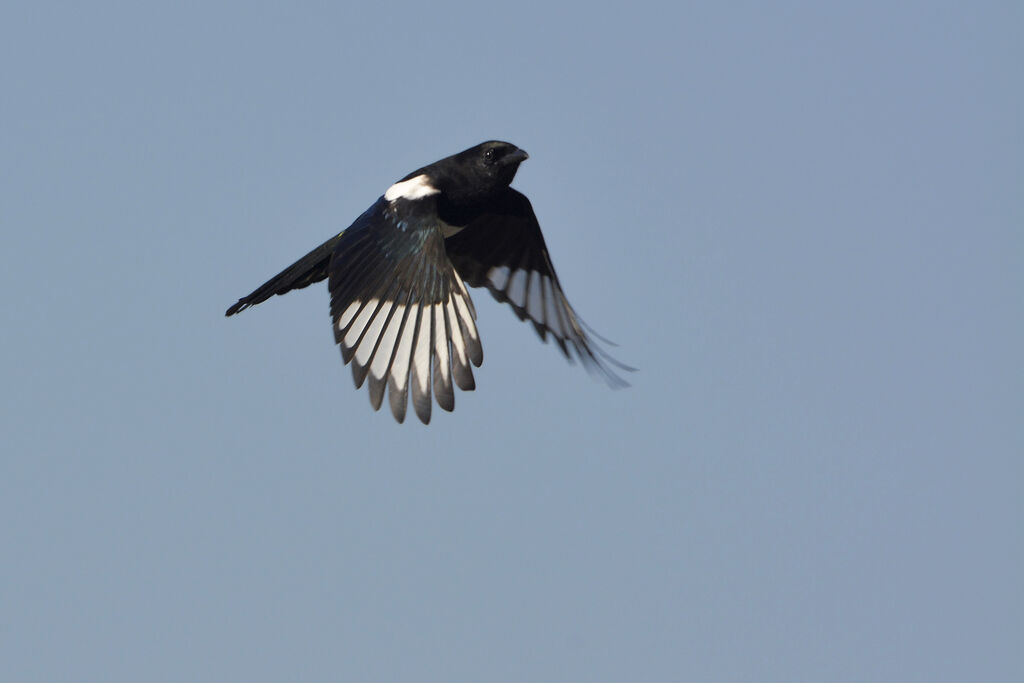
x=413, y=188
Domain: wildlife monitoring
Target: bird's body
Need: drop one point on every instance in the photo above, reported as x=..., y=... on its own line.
x=397, y=277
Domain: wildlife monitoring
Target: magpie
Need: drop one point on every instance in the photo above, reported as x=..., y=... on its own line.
x=397, y=278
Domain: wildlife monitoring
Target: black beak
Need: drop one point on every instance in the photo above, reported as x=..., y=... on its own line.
x=516, y=157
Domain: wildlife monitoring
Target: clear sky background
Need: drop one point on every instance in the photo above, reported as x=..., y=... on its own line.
x=801, y=221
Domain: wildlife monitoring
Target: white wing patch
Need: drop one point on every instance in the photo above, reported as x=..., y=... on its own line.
x=355, y=330
x=413, y=188
x=535, y=296
x=535, y=301
x=421, y=364
x=403, y=355
x=382, y=356
x=396, y=345
x=516, y=291
x=498, y=277
x=551, y=317
x=455, y=334
x=442, y=361
x=346, y=317
x=464, y=306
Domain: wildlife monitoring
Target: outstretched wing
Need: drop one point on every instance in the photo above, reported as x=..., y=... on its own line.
x=504, y=251
x=400, y=309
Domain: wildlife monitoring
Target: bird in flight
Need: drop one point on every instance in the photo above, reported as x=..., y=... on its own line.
x=397, y=278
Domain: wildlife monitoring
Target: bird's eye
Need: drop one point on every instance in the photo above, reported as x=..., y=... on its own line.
x=489, y=156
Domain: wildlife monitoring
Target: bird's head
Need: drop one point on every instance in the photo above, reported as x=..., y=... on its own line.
x=479, y=171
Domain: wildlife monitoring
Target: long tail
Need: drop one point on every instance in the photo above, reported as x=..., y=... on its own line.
x=309, y=269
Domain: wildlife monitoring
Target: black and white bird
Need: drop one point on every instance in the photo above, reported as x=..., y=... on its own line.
x=398, y=275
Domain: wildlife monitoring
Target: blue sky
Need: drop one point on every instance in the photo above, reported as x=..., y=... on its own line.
x=801, y=221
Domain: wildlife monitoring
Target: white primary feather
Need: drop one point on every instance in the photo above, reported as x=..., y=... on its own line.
x=535, y=304
x=360, y=322
x=498, y=277
x=553, y=320
x=345, y=318
x=516, y=291
x=400, y=368
x=467, y=318
x=372, y=333
x=458, y=343
x=441, y=345
x=382, y=358
x=421, y=356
